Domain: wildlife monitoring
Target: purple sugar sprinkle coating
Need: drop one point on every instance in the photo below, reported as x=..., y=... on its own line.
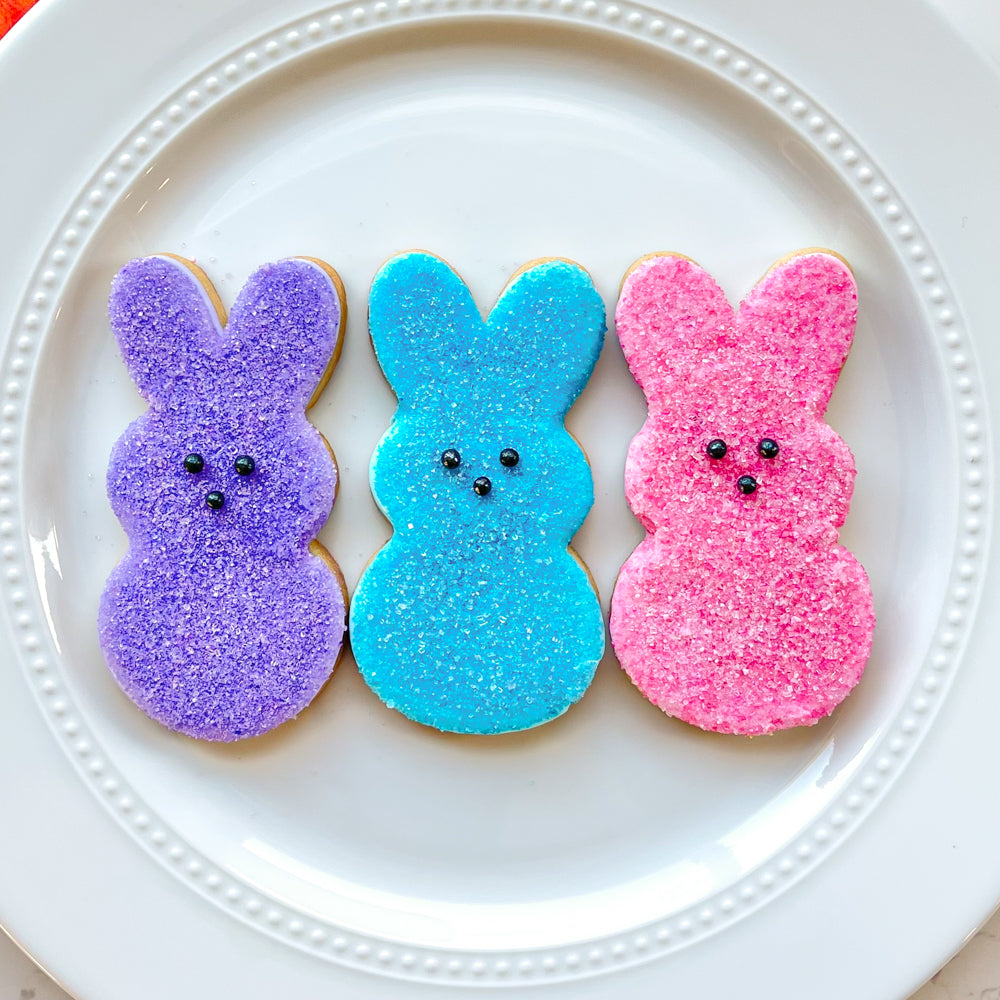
x=222, y=624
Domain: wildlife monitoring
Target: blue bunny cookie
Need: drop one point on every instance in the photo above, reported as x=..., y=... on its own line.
x=476, y=617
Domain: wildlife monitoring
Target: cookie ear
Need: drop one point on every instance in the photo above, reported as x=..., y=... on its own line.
x=546, y=332
x=801, y=315
x=166, y=318
x=284, y=331
x=423, y=322
x=671, y=312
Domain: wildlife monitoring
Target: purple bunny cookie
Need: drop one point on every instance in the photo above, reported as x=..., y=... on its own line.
x=226, y=617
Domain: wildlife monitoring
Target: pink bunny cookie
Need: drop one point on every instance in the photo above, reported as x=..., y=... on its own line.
x=739, y=612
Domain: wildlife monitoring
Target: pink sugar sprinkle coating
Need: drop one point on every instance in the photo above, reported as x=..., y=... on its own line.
x=739, y=612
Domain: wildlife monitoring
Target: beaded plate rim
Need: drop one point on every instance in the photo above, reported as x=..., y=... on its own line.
x=42, y=664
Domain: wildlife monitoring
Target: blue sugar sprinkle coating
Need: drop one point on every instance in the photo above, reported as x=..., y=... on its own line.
x=475, y=617
x=222, y=624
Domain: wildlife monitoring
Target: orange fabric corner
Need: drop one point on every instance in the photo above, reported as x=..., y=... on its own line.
x=11, y=12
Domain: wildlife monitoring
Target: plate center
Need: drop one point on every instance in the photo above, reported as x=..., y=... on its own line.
x=490, y=144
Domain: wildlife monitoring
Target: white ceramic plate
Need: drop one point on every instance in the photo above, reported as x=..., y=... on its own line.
x=613, y=852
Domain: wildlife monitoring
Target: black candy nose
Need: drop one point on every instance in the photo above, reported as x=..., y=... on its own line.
x=746, y=484
x=482, y=486
x=215, y=499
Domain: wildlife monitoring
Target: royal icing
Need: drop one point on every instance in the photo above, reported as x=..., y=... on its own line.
x=475, y=617
x=739, y=612
x=225, y=617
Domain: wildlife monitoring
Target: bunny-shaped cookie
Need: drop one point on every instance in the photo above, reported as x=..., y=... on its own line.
x=739, y=612
x=476, y=617
x=225, y=617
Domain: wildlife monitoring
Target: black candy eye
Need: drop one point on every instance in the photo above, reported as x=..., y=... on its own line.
x=451, y=459
x=716, y=448
x=194, y=462
x=482, y=486
x=215, y=499
x=244, y=465
x=768, y=448
x=509, y=458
